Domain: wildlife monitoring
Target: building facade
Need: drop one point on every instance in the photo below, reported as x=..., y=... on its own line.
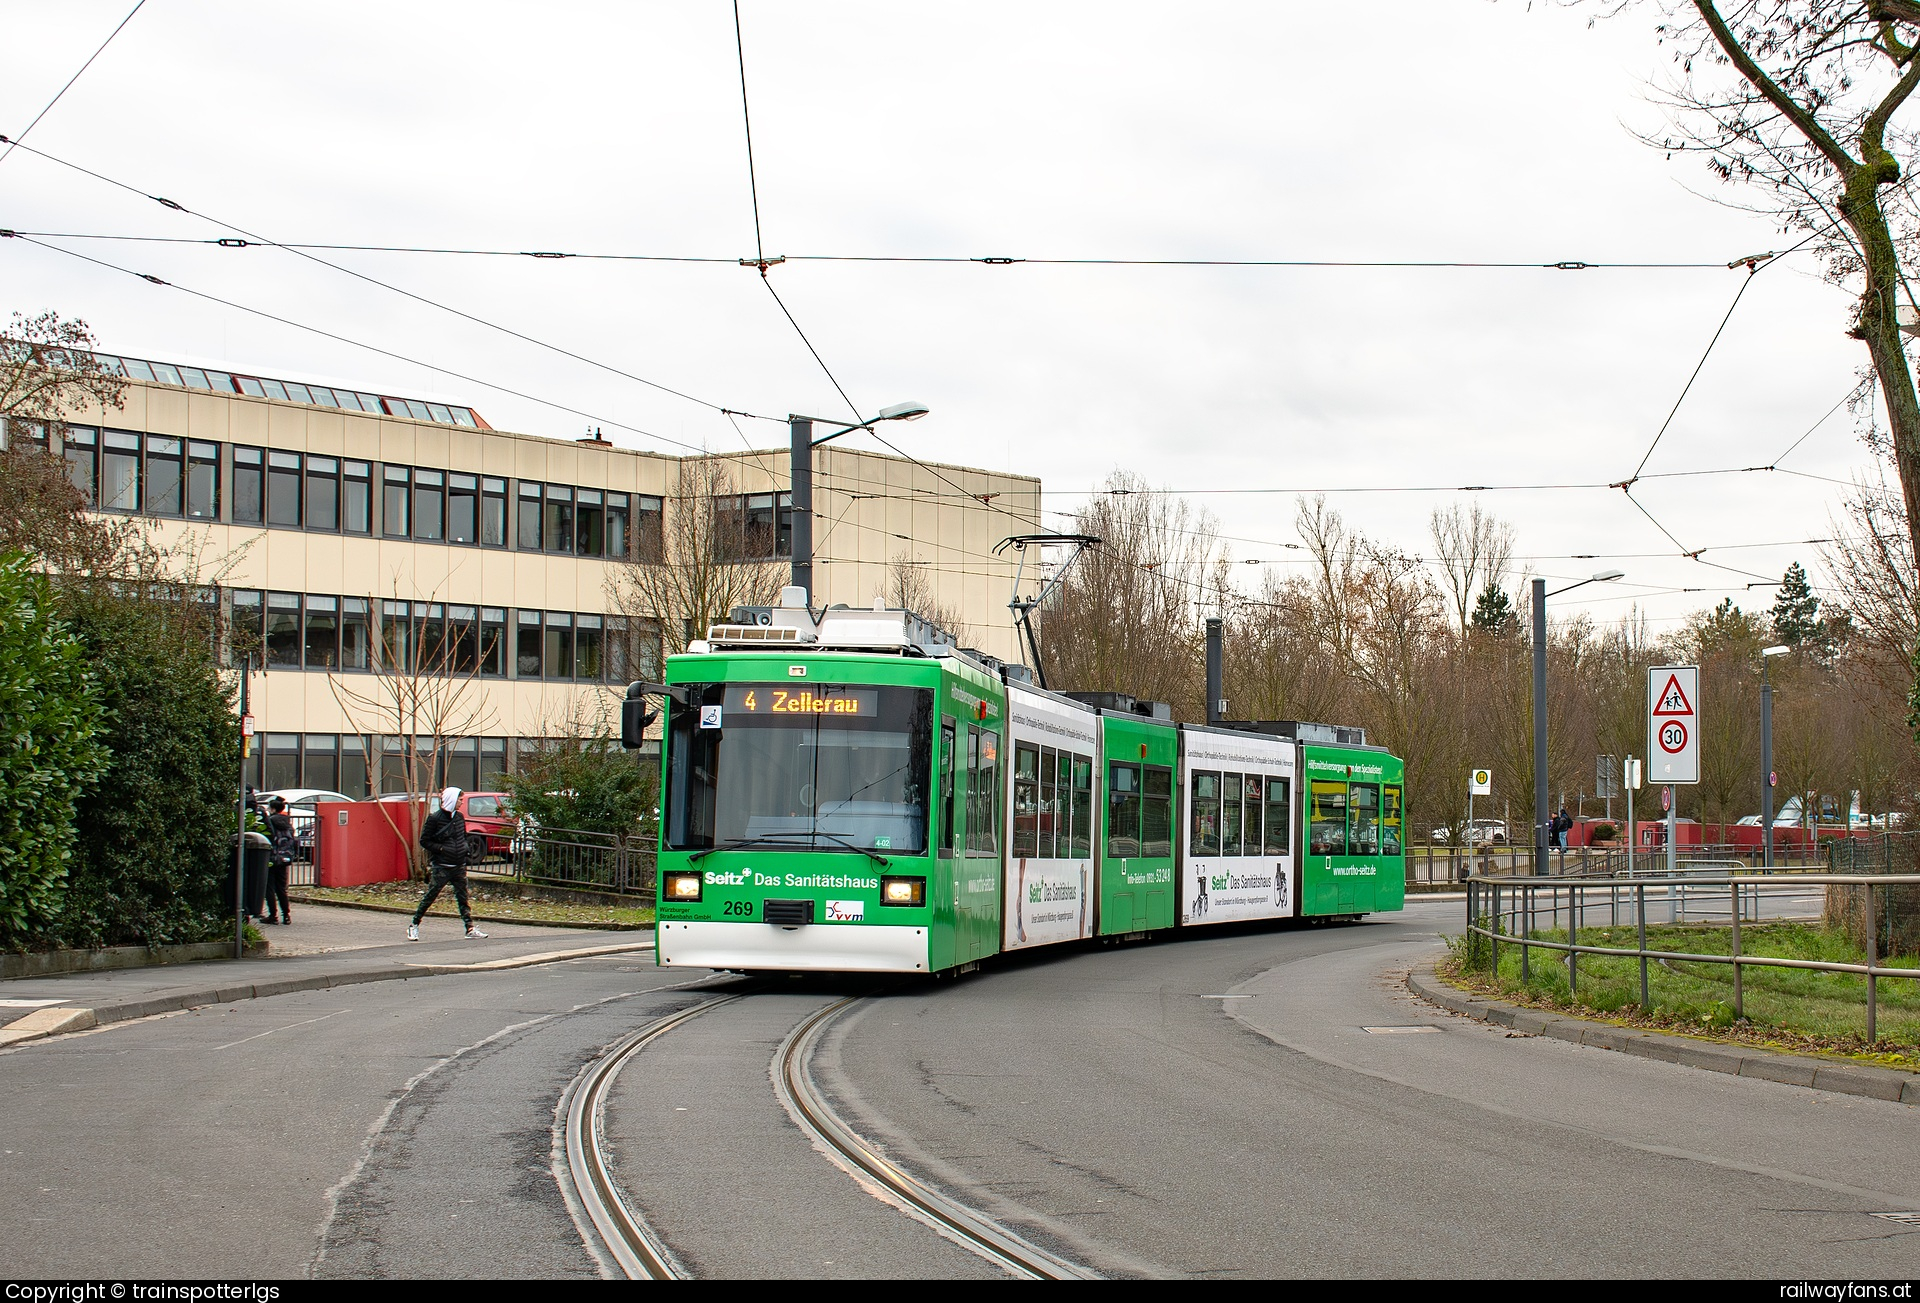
x=377, y=555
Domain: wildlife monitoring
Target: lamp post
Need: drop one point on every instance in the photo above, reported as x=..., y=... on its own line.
x=1766, y=753
x=800, y=477
x=1540, y=596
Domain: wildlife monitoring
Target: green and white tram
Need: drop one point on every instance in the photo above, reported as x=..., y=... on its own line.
x=855, y=794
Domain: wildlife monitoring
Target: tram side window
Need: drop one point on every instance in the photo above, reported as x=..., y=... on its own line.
x=1046, y=827
x=1082, y=844
x=1123, y=811
x=1327, y=819
x=1250, y=845
x=949, y=739
x=1279, y=815
x=1363, y=803
x=1390, y=821
x=1156, y=812
x=1231, y=785
x=1063, y=804
x=983, y=769
x=1206, y=813
x=1026, y=801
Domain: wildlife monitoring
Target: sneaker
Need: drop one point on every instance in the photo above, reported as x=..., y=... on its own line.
x=475, y=934
x=413, y=931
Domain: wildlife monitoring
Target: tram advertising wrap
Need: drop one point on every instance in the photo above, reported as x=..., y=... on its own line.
x=1050, y=820
x=1237, y=855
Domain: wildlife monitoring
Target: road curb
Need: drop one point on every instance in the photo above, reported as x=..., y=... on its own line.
x=320, y=902
x=1736, y=1060
x=59, y=1020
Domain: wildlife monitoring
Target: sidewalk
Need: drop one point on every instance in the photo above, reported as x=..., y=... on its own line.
x=322, y=948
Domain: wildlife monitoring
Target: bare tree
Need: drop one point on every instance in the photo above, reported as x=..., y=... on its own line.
x=48, y=372
x=1798, y=98
x=419, y=696
x=1474, y=549
x=909, y=588
x=1870, y=558
x=1128, y=617
x=711, y=561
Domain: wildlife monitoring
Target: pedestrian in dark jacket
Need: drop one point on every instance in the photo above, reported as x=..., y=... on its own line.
x=283, y=847
x=444, y=838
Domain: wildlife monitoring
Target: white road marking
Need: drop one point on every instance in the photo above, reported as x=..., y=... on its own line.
x=288, y=1027
x=28, y=1004
x=1395, y=1031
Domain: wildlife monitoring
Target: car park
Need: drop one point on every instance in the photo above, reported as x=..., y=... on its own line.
x=1486, y=832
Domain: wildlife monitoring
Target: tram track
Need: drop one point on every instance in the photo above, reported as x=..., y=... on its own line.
x=978, y=1232
x=636, y=1249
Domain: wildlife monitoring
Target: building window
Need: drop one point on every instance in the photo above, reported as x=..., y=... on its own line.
x=283, y=761
x=493, y=642
x=429, y=506
x=463, y=508
x=493, y=513
x=589, y=524
x=493, y=762
x=528, y=535
x=430, y=637
x=203, y=481
x=649, y=538
x=275, y=390
x=559, y=646
x=619, y=652
x=558, y=536
x=164, y=475
x=283, y=489
x=323, y=635
x=249, y=486
x=617, y=526
x=120, y=472
x=526, y=648
x=323, y=493
x=321, y=763
x=463, y=766
x=81, y=448
x=353, y=633
x=243, y=628
x=463, y=640
x=396, y=638
x=283, y=631
x=354, y=749
x=393, y=514
x=356, y=498
x=588, y=641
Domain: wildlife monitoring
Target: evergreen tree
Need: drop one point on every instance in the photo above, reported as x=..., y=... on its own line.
x=1493, y=613
x=1796, y=611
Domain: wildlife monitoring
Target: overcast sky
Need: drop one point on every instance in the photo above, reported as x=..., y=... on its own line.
x=1454, y=130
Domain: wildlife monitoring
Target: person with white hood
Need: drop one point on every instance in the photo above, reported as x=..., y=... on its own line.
x=444, y=838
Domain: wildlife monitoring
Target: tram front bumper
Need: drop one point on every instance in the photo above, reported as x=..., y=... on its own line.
x=827, y=948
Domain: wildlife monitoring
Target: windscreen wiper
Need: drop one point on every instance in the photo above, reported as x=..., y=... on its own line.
x=774, y=839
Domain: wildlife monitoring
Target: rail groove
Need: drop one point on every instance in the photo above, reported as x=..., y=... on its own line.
x=954, y=1219
x=636, y=1249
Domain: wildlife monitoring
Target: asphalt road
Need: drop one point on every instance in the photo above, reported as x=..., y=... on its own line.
x=1113, y=1104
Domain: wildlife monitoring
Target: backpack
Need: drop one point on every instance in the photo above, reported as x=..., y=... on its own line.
x=285, y=846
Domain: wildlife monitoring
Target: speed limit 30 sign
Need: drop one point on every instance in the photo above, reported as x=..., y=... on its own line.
x=1673, y=723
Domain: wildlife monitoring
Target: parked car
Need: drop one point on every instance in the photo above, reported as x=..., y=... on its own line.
x=491, y=822
x=1485, y=832
x=300, y=806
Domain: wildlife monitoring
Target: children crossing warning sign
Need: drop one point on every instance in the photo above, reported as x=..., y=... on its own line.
x=1673, y=723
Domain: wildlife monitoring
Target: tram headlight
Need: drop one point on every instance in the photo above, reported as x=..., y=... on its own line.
x=903, y=891
x=683, y=886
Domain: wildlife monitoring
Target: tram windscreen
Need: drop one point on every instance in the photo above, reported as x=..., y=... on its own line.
x=806, y=767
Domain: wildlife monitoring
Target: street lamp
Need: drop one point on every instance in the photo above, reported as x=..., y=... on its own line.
x=800, y=477
x=1540, y=595
x=1766, y=753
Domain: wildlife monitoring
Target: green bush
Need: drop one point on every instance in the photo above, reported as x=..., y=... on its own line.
x=155, y=831
x=589, y=786
x=50, y=717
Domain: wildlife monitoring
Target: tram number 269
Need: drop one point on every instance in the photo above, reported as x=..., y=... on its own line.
x=742, y=908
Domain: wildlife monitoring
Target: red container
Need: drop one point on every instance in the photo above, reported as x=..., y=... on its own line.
x=364, y=841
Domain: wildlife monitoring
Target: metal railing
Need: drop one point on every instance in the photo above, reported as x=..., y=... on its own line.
x=584, y=861
x=1507, y=911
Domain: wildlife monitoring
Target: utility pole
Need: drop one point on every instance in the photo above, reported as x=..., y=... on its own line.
x=800, y=481
x=1539, y=726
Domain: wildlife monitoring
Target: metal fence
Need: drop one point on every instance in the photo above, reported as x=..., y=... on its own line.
x=1508, y=911
x=583, y=861
x=1431, y=863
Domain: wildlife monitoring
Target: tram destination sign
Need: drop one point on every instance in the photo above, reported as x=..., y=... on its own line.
x=1673, y=723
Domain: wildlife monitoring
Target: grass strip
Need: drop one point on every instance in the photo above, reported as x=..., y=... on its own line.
x=489, y=906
